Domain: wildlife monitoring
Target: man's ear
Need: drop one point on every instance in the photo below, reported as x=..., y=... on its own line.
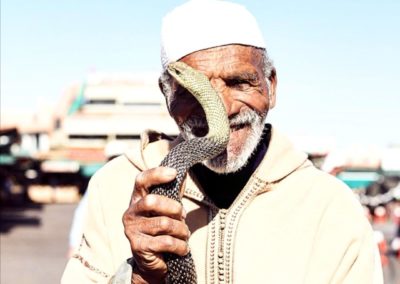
x=272, y=88
x=162, y=89
x=161, y=86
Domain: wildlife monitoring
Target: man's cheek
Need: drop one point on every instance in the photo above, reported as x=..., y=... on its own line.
x=254, y=100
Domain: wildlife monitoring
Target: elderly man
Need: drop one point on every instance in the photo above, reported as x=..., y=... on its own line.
x=259, y=212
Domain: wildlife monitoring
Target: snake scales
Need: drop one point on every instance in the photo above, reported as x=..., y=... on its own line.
x=193, y=151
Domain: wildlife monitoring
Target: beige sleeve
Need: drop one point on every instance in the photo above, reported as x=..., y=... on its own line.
x=360, y=261
x=364, y=266
x=92, y=262
x=344, y=249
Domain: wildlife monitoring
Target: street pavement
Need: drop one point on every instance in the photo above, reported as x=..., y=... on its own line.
x=34, y=243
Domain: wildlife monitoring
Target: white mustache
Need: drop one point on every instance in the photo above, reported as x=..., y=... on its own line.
x=246, y=117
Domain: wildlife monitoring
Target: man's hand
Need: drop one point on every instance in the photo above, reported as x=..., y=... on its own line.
x=154, y=224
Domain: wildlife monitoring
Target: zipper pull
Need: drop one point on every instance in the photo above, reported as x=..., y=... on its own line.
x=222, y=218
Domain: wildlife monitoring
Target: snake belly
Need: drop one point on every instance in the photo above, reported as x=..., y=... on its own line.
x=181, y=270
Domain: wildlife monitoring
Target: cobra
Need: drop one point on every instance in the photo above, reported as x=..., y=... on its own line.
x=190, y=152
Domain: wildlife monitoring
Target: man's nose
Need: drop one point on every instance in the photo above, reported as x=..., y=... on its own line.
x=232, y=106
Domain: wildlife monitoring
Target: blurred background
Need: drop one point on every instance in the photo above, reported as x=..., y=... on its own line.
x=79, y=85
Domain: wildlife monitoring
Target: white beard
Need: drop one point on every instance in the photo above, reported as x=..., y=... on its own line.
x=227, y=162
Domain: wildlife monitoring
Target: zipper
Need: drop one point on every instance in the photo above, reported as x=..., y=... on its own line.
x=221, y=257
x=211, y=245
x=229, y=220
x=223, y=223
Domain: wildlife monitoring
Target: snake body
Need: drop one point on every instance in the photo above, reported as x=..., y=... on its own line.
x=190, y=152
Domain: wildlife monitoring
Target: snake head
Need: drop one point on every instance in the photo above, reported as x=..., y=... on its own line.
x=186, y=76
x=200, y=87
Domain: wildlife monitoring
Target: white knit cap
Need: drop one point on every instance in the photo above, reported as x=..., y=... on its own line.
x=202, y=24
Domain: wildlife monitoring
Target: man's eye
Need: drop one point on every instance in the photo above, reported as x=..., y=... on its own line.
x=241, y=85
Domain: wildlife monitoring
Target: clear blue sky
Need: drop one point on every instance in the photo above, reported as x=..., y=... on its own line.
x=338, y=61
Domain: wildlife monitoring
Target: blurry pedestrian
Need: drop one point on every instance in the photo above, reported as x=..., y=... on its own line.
x=76, y=232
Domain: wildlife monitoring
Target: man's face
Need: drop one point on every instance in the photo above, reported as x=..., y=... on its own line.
x=236, y=73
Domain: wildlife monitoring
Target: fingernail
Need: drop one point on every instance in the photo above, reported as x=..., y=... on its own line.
x=184, y=213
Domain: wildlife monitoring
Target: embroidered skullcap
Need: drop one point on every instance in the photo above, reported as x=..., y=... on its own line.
x=202, y=24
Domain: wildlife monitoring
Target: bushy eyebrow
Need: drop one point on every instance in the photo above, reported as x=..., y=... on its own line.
x=243, y=76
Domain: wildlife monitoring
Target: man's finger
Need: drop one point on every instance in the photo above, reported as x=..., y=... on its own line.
x=168, y=244
x=155, y=176
x=157, y=226
x=158, y=205
x=146, y=244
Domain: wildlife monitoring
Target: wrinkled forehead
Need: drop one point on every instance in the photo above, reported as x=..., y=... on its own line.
x=200, y=25
x=226, y=59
